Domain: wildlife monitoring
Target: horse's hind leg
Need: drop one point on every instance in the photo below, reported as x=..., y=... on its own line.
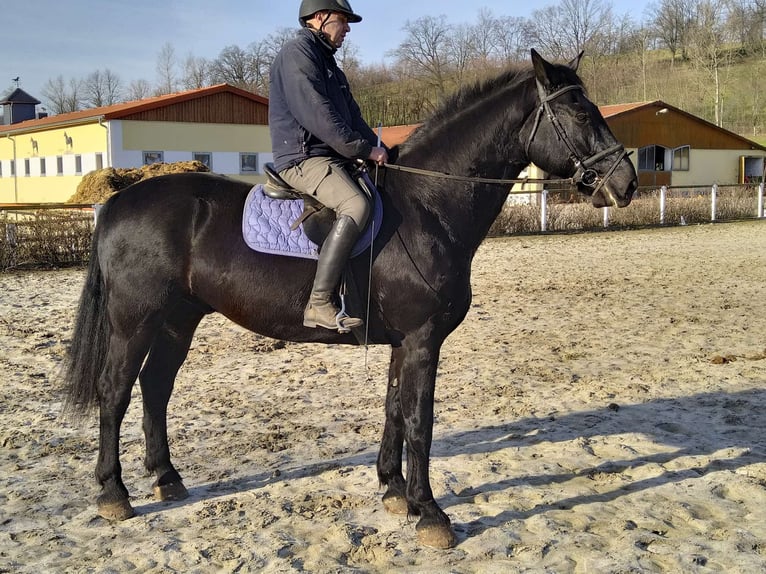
x=123, y=361
x=167, y=354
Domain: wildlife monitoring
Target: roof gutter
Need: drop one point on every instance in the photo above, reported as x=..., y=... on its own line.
x=47, y=126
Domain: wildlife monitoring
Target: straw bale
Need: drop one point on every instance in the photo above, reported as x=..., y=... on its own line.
x=98, y=185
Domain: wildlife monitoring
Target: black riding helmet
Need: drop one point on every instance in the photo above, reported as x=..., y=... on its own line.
x=311, y=7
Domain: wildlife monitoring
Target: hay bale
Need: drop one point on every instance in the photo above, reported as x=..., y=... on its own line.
x=98, y=185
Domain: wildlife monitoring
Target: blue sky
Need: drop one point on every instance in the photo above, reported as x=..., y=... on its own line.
x=44, y=39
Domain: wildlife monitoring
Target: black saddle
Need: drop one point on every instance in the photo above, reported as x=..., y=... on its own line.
x=278, y=188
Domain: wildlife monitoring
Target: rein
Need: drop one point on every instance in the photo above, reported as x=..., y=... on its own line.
x=584, y=173
x=471, y=179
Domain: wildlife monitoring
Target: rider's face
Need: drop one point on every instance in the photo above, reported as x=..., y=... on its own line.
x=335, y=28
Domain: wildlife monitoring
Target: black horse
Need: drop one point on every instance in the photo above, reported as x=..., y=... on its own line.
x=168, y=251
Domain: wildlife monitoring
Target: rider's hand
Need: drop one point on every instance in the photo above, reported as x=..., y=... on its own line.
x=379, y=155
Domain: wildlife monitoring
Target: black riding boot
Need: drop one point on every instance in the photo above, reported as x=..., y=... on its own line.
x=321, y=311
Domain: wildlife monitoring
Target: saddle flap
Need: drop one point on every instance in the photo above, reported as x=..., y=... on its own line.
x=276, y=187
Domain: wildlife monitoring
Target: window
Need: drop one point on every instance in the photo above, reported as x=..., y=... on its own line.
x=26, y=167
x=99, y=161
x=248, y=163
x=681, y=158
x=151, y=157
x=59, y=165
x=42, y=166
x=78, y=164
x=651, y=158
x=13, y=167
x=1, y=169
x=204, y=157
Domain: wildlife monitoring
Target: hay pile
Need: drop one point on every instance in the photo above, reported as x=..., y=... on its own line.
x=97, y=186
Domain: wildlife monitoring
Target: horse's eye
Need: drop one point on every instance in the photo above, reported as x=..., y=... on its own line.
x=582, y=118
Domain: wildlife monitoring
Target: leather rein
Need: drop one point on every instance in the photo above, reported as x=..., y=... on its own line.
x=584, y=173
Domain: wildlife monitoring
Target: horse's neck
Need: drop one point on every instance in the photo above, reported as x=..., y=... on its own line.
x=469, y=147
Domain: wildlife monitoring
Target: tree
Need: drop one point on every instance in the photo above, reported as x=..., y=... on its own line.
x=424, y=52
x=62, y=97
x=709, y=49
x=745, y=19
x=235, y=66
x=460, y=44
x=167, y=77
x=138, y=90
x=196, y=73
x=511, y=39
x=563, y=30
x=672, y=22
x=101, y=88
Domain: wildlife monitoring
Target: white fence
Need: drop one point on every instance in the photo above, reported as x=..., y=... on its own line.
x=654, y=204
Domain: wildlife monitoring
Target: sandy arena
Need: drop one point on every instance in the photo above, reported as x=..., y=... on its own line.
x=601, y=409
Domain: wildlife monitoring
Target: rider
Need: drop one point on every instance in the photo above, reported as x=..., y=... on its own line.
x=316, y=127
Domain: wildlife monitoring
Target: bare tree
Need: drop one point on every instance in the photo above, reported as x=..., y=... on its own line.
x=167, y=76
x=63, y=97
x=511, y=39
x=138, y=90
x=745, y=19
x=672, y=21
x=424, y=53
x=709, y=49
x=460, y=44
x=348, y=59
x=101, y=88
x=196, y=73
x=485, y=33
x=563, y=30
x=235, y=66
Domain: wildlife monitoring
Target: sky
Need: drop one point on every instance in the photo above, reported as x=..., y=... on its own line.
x=47, y=38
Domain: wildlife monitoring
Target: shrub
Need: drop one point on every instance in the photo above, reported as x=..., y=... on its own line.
x=49, y=238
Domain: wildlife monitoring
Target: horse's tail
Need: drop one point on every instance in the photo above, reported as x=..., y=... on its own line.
x=90, y=340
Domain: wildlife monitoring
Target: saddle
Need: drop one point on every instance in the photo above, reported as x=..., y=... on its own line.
x=280, y=220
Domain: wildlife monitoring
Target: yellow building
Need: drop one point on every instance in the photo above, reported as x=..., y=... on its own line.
x=43, y=160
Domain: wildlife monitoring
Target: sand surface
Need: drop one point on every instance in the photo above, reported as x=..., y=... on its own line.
x=601, y=409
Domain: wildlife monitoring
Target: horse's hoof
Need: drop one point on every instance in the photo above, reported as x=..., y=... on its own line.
x=395, y=504
x=171, y=491
x=113, y=511
x=437, y=536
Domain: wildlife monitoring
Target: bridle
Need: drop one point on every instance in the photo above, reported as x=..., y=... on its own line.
x=584, y=174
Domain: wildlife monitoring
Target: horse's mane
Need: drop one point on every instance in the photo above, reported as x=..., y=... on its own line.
x=477, y=92
x=467, y=96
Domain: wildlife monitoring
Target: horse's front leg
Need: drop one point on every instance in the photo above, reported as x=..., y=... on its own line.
x=391, y=447
x=413, y=380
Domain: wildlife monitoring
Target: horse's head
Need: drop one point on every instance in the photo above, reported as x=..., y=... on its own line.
x=568, y=137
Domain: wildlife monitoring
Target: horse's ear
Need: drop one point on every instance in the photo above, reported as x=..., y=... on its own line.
x=542, y=69
x=575, y=63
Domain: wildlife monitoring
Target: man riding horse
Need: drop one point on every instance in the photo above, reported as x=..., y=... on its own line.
x=316, y=128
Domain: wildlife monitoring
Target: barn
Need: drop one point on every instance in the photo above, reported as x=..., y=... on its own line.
x=673, y=147
x=43, y=159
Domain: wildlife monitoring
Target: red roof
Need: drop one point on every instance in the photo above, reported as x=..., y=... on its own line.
x=118, y=111
x=614, y=109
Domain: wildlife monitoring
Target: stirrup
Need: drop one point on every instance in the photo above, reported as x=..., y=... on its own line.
x=342, y=315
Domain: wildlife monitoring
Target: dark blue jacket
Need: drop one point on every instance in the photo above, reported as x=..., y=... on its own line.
x=311, y=109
